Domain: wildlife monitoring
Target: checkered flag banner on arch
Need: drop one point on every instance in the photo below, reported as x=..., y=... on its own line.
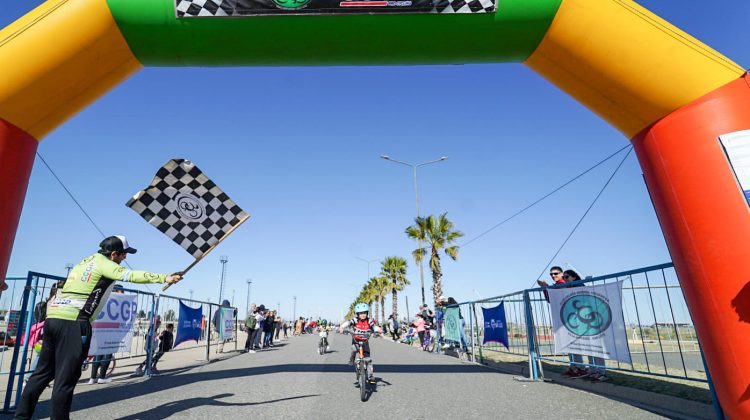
x=184, y=204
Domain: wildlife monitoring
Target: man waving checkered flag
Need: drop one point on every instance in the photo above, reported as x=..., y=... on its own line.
x=184, y=204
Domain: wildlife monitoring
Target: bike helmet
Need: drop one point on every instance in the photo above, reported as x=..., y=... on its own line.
x=361, y=307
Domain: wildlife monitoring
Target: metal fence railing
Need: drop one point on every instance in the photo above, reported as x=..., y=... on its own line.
x=152, y=314
x=661, y=336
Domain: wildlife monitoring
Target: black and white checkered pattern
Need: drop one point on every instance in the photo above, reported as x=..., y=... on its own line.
x=188, y=207
x=203, y=8
x=200, y=8
x=465, y=6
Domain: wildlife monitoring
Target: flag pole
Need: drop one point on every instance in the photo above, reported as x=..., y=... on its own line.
x=166, y=286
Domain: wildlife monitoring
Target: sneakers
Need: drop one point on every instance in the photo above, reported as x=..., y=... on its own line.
x=138, y=371
x=328, y=348
x=92, y=381
x=104, y=380
x=155, y=371
x=371, y=379
x=250, y=351
x=579, y=374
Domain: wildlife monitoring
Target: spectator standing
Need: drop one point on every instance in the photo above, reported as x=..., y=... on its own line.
x=393, y=326
x=277, y=326
x=462, y=330
x=596, y=371
x=268, y=330
x=419, y=324
x=250, y=325
x=260, y=317
x=217, y=324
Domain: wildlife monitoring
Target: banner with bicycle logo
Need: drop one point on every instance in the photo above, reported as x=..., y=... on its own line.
x=113, y=329
x=588, y=320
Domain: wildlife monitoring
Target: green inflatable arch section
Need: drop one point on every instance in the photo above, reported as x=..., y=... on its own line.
x=158, y=38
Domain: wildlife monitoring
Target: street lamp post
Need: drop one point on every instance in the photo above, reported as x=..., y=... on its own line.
x=223, y=259
x=368, y=266
x=294, y=312
x=249, y=283
x=416, y=194
x=68, y=267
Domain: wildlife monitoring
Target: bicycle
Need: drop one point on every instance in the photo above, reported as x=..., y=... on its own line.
x=361, y=363
x=323, y=343
x=428, y=344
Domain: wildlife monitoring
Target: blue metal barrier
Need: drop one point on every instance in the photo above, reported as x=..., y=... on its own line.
x=17, y=306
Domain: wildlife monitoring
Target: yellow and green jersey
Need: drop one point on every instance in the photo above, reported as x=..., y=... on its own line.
x=89, y=284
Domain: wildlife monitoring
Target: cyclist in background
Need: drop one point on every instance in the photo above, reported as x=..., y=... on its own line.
x=361, y=324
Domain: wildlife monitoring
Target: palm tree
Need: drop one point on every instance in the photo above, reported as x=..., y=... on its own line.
x=436, y=233
x=382, y=287
x=367, y=295
x=394, y=270
x=374, y=286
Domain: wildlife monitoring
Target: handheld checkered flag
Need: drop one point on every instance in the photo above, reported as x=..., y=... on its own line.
x=184, y=204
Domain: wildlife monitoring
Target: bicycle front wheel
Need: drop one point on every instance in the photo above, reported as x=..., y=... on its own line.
x=363, y=382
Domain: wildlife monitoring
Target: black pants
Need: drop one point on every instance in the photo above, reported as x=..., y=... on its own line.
x=249, y=341
x=156, y=359
x=66, y=344
x=99, y=366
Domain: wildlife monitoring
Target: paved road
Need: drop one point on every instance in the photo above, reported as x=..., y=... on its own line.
x=292, y=381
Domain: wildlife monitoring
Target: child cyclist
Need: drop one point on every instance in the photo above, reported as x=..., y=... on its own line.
x=361, y=324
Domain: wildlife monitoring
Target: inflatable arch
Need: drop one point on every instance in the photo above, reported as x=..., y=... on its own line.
x=666, y=91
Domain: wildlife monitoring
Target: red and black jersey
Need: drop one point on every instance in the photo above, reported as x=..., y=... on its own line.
x=362, y=326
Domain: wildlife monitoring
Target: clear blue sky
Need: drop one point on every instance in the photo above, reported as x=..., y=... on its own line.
x=298, y=149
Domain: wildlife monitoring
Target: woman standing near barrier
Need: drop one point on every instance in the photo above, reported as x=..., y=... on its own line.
x=595, y=371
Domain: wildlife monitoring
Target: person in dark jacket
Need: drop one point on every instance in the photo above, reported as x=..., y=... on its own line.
x=166, y=341
x=218, y=327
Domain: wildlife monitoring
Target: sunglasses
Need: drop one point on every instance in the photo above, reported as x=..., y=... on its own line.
x=554, y=274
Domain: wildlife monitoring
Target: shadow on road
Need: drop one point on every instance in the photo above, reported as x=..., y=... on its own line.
x=178, y=378
x=174, y=407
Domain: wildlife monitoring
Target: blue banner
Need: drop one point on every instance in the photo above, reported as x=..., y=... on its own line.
x=495, y=328
x=189, y=324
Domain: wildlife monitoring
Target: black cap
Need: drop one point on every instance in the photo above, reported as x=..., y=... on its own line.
x=116, y=243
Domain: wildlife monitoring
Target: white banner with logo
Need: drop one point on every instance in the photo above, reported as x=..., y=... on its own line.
x=226, y=324
x=588, y=320
x=113, y=329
